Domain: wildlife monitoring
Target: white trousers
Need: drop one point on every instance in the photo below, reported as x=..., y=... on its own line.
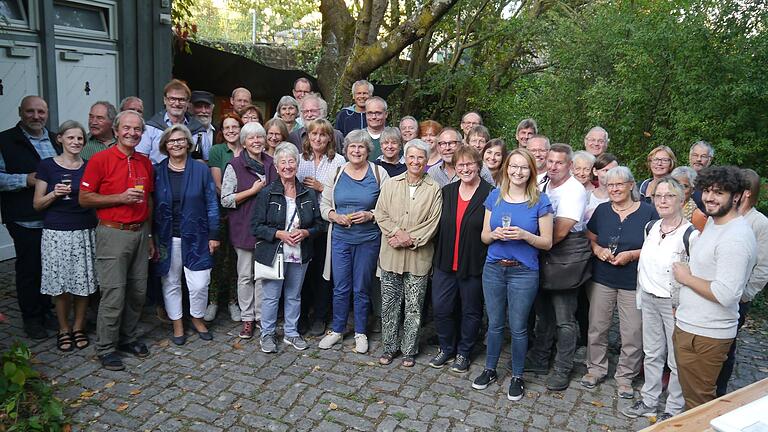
x=249, y=291
x=197, y=284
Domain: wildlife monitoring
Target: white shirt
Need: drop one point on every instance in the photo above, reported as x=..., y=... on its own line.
x=654, y=269
x=568, y=200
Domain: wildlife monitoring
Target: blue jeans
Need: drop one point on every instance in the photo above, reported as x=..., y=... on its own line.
x=273, y=289
x=516, y=287
x=448, y=291
x=353, y=268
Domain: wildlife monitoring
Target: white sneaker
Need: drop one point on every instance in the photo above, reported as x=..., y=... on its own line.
x=210, y=312
x=361, y=343
x=234, y=312
x=330, y=339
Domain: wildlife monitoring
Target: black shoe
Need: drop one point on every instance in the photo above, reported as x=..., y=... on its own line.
x=317, y=328
x=534, y=367
x=558, y=381
x=111, y=361
x=516, y=389
x=179, y=340
x=206, y=335
x=440, y=359
x=485, y=379
x=35, y=330
x=138, y=349
x=461, y=365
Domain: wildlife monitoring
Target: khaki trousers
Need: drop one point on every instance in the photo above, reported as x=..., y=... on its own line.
x=699, y=362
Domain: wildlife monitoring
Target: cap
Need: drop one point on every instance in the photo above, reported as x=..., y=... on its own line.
x=201, y=96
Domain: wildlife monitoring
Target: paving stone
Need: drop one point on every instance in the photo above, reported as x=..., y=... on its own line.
x=263, y=423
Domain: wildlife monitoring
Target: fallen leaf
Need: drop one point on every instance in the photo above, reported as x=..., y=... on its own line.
x=380, y=402
x=371, y=364
x=76, y=404
x=122, y=407
x=647, y=134
x=652, y=419
x=237, y=345
x=597, y=404
x=87, y=394
x=135, y=392
x=316, y=368
x=557, y=395
x=163, y=343
x=187, y=376
x=236, y=406
x=109, y=384
x=332, y=406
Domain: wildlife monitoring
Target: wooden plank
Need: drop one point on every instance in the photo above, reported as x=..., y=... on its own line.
x=697, y=419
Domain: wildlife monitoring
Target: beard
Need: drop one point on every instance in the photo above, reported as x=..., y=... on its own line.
x=721, y=211
x=204, y=120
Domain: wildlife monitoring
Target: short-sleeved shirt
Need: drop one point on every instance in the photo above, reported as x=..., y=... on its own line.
x=605, y=224
x=219, y=156
x=320, y=172
x=568, y=200
x=521, y=216
x=350, y=196
x=63, y=214
x=111, y=172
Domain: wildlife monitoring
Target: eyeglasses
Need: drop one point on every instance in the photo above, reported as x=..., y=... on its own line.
x=661, y=160
x=538, y=151
x=176, y=100
x=250, y=117
x=522, y=168
x=178, y=142
x=621, y=185
x=465, y=165
x=664, y=197
x=595, y=140
x=448, y=143
x=700, y=156
x=311, y=111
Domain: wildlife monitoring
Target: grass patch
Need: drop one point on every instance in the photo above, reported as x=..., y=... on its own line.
x=400, y=416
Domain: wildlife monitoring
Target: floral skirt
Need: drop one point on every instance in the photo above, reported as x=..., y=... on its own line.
x=68, y=260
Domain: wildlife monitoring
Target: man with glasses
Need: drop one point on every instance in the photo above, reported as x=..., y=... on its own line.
x=301, y=88
x=712, y=284
x=118, y=183
x=444, y=172
x=596, y=141
x=176, y=99
x=539, y=146
x=313, y=107
x=470, y=120
x=700, y=156
x=376, y=119
x=353, y=117
x=563, y=269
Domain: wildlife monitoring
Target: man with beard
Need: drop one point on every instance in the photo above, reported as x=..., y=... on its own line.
x=100, y=133
x=202, y=109
x=176, y=98
x=313, y=107
x=712, y=285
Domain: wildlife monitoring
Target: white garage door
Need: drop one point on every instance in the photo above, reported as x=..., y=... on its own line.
x=84, y=77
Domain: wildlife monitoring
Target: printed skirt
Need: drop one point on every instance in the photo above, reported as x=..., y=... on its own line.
x=68, y=259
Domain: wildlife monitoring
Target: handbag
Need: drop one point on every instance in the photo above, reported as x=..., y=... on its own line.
x=567, y=265
x=275, y=271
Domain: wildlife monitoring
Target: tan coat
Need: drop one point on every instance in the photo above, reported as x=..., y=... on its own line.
x=418, y=216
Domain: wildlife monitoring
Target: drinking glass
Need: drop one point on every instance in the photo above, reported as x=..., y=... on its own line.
x=66, y=180
x=506, y=221
x=613, y=244
x=138, y=183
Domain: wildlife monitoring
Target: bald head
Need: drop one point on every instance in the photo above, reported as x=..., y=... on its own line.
x=33, y=112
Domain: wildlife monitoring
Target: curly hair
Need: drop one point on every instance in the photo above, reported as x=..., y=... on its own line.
x=727, y=178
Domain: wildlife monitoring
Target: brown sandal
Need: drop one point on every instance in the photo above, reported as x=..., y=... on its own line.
x=409, y=361
x=81, y=339
x=64, y=342
x=387, y=358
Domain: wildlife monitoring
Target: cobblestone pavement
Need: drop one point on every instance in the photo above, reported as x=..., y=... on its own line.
x=229, y=384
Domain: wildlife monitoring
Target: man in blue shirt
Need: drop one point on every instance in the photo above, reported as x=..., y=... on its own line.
x=22, y=147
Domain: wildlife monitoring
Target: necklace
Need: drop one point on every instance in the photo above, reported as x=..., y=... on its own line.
x=418, y=183
x=622, y=209
x=174, y=167
x=665, y=234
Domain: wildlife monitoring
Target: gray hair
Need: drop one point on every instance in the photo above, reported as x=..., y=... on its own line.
x=286, y=149
x=362, y=83
x=674, y=185
x=600, y=129
x=418, y=145
x=121, y=114
x=286, y=100
x=320, y=101
x=71, y=124
x=583, y=156
x=685, y=171
x=251, y=129
x=391, y=133
x=127, y=100
x=111, y=110
x=624, y=174
x=411, y=118
x=359, y=136
x=706, y=145
x=167, y=135
x=528, y=123
x=565, y=149
x=376, y=99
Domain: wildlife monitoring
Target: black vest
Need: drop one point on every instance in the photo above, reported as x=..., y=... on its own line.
x=20, y=158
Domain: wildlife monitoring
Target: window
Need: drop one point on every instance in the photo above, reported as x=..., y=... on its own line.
x=12, y=12
x=81, y=19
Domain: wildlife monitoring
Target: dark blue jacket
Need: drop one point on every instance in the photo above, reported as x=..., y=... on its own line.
x=348, y=120
x=269, y=218
x=199, y=216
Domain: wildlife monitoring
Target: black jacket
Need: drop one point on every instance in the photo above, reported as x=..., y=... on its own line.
x=472, y=250
x=269, y=217
x=20, y=157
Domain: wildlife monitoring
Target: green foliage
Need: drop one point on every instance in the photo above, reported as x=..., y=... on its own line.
x=26, y=400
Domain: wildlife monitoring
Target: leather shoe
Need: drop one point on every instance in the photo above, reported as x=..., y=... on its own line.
x=35, y=330
x=206, y=335
x=179, y=340
x=138, y=349
x=111, y=361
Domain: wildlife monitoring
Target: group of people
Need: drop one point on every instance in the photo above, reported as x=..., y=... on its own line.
x=384, y=223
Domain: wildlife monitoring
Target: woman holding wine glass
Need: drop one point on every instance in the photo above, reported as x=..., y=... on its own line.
x=616, y=231
x=68, y=240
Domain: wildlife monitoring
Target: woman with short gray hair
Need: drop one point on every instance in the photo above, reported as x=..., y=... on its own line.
x=348, y=202
x=616, y=231
x=686, y=176
x=287, y=110
x=390, y=159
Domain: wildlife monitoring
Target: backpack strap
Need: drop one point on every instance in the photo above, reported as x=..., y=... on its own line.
x=648, y=227
x=376, y=173
x=687, y=238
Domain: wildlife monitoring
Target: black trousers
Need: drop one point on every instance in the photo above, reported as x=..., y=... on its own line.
x=26, y=242
x=457, y=332
x=316, y=293
x=730, y=362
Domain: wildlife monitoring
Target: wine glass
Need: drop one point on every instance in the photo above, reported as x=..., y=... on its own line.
x=66, y=180
x=506, y=220
x=613, y=244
